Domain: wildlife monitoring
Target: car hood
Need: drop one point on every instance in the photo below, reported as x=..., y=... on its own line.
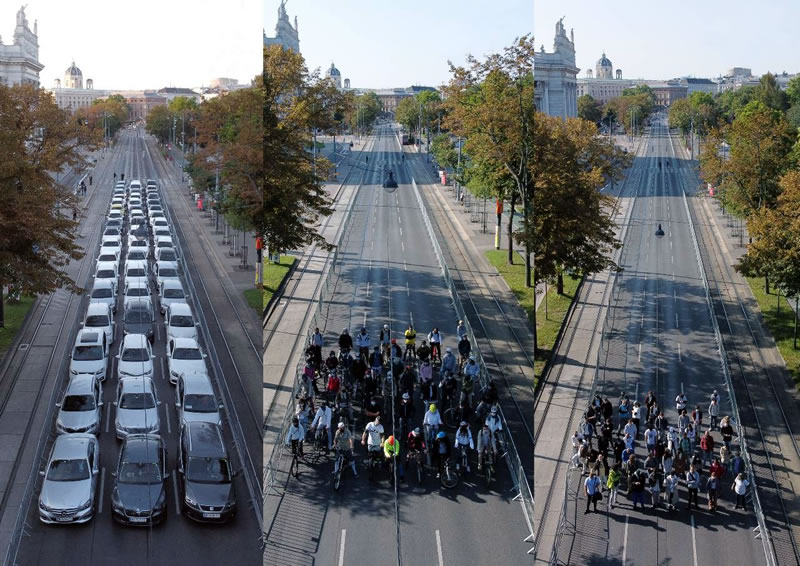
x=135, y=368
x=189, y=417
x=86, y=366
x=65, y=494
x=182, y=331
x=136, y=418
x=145, y=328
x=213, y=494
x=134, y=497
x=188, y=366
x=77, y=420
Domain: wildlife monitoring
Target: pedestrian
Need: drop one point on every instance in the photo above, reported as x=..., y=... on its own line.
x=670, y=487
x=714, y=396
x=636, y=417
x=90, y=180
x=697, y=417
x=632, y=468
x=740, y=485
x=683, y=421
x=654, y=481
x=623, y=412
x=649, y=402
x=587, y=429
x=707, y=447
x=680, y=464
x=614, y=477
x=692, y=484
x=718, y=469
x=628, y=440
x=74, y=214
x=725, y=456
x=601, y=468
x=619, y=448
x=673, y=440
x=576, y=447
x=607, y=409
x=680, y=402
x=592, y=486
x=712, y=488
x=638, y=487
x=737, y=464
x=666, y=462
x=661, y=425
x=691, y=434
x=686, y=446
x=713, y=412
x=585, y=454
x=650, y=437
x=630, y=429
x=726, y=429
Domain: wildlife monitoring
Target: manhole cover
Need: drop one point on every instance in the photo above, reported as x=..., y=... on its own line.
x=23, y=346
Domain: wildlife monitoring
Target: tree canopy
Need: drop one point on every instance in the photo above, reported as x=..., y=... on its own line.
x=589, y=109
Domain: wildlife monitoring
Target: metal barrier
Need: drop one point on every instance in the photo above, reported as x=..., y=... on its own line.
x=515, y=466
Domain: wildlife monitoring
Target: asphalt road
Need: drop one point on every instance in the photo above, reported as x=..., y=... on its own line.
x=663, y=341
x=390, y=275
x=179, y=540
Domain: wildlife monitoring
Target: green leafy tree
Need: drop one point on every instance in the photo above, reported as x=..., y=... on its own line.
x=444, y=151
x=159, y=123
x=363, y=111
x=770, y=94
x=407, y=113
x=589, y=109
x=635, y=105
x=731, y=102
x=793, y=91
x=793, y=116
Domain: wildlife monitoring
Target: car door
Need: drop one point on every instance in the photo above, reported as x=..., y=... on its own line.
x=94, y=465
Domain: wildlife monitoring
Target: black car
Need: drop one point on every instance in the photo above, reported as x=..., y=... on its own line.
x=390, y=183
x=206, y=475
x=139, y=496
x=139, y=318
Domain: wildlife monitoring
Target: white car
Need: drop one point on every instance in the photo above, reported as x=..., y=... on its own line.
x=90, y=354
x=81, y=408
x=111, y=243
x=158, y=217
x=108, y=271
x=180, y=322
x=170, y=292
x=164, y=270
x=109, y=255
x=99, y=317
x=137, y=407
x=184, y=356
x=195, y=400
x=135, y=358
x=136, y=289
x=162, y=233
x=104, y=291
x=115, y=215
x=70, y=480
x=166, y=254
x=136, y=244
x=162, y=242
x=135, y=184
x=137, y=253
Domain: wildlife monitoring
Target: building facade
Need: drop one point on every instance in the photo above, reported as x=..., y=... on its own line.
x=141, y=102
x=19, y=61
x=71, y=94
x=285, y=35
x=334, y=75
x=555, y=82
x=171, y=93
x=698, y=85
x=603, y=85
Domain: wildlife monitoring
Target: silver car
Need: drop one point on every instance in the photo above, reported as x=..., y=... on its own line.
x=82, y=407
x=137, y=407
x=70, y=480
x=196, y=400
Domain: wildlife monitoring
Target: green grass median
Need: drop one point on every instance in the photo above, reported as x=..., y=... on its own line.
x=273, y=275
x=780, y=325
x=15, y=313
x=552, y=310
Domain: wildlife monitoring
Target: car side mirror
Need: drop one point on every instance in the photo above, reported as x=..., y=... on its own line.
x=166, y=476
x=58, y=405
x=100, y=404
x=197, y=324
x=41, y=473
x=177, y=403
x=114, y=474
x=95, y=472
x=152, y=356
x=237, y=472
x=114, y=403
x=158, y=402
x=117, y=356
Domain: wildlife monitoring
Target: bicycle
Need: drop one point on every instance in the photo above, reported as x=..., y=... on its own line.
x=463, y=451
x=449, y=478
x=374, y=461
x=410, y=353
x=338, y=465
x=416, y=457
x=452, y=417
x=294, y=467
x=320, y=445
x=488, y=466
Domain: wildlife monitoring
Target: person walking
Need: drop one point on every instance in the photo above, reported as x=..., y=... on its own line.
x=591, y=487
x=707, y=447
x=740, y=485
x=623, y=412
x=712, y=489
x=692, y=484
x=670, y=489
x=650, y=438
x=654, y=481
x=614, y=477
x=713, y=412
x=638, y=487
x=726, y=429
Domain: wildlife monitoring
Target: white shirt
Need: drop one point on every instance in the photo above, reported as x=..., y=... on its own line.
x=472, y=369
x=713, y=409
x=434, y=419
x=740, y=486
x=374, y=433
x=680, y=402
x=494, y=423
x=323, y=417
x=464, y=438
x=630, y=428
x=362, y=340
x=636, y=412
x=435, y=338
x=592, y=484
x=295, y=433
x=650, y=436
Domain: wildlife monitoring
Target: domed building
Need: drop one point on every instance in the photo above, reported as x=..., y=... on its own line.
x=73, y=77
x=71, y=93
x=603, y=85
x=334, y=74
x=604, y=69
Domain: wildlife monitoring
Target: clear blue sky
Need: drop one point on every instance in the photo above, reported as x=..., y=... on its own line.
x=676, y=38
x=381, y=44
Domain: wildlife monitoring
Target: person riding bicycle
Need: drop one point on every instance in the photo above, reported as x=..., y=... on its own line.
x=323, y=420
x=309, y=384
x=429, y=390
x=295, y=436
x=331, y=362
x=385, y=338
x=448, y=362
x=431, y=421
x=449, y=387
x=425, y=372
x=435, y=338
x=376, y=362
x=407, y=380
x=343, y=442
x=467, y=389
x=472, y=368
x=411, y=337
x=463, y=412
x=464, y=349
x=494, y=422
x=359, y=369
x=486, y=444
x=489, y=398
x=374, y=407
x=406, y=410
x=345, y=341
x=333, y=385
x=415, y=442
x=316, y=347
x=363, y=341
x=442, y=450
x=424, y=351
x=464, y=440
x=373, y=436
x=461, y=330
x=344, y=403
x=391, y=451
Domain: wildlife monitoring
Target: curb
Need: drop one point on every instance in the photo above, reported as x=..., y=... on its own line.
x=6, y=360
x=270, y=308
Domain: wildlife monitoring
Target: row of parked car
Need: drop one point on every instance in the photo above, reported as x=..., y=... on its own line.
x=137, y=247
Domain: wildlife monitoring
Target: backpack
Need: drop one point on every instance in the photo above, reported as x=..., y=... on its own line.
x=584, y=450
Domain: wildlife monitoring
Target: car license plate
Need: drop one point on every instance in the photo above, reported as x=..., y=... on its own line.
x=138, y=519
x=64, y=519
x=211, y=515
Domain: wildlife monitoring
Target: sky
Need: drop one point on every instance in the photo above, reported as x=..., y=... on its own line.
x=146, y=44
x=656, y=40
x=381, y=44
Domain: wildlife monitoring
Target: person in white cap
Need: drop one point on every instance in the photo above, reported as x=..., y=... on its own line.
x=448, y=362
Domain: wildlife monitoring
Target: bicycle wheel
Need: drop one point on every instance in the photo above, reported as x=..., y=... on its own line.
x=451, y=418
x=489, y=469
x=337, y=476
x=294, y=469
x=419, y=471
x=449, y=478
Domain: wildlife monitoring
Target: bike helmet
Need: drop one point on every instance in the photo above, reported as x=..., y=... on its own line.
x=472, y=357
x=386, y=327
x=406, y=397
x=449, y=350
x=324, y=403
x=462, y=423
x=415, y=432
x=494, y=410
x=345, y=331
x=394, y=340
x=341, y=426
x=441, y=435
x=461, y=322
x=432, y=408
x=390, y=441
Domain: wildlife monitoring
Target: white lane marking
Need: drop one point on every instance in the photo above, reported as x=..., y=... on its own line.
x=341, y=547
x=401, y=231
x=158, y=332
x=411, y=317
x=676, y=321
x=673, y=276
x=640, y=352
x=364, y=324
x=163, y=370
x=166, y=412
x=679, y=352
x=108, y=417
x=373, y=244
x=673, y=259
x=102, y=485
x=408, y=291
x=175, y=487
x=368, y=289
x=670, y=244
x=405, y=266
x=694, y=543
x=625, y=542
x=681, y=388
x=439, y=548
x=402, y=245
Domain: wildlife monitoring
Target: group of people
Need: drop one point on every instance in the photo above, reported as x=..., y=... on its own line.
x=674, y=454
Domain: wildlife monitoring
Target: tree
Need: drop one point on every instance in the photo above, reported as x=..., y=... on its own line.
x=731, y=102
x=589, y=109
x=159, y=123
x=36, y=240
x=444, y=151
x=406, y=113
x=793, y=116
x=770, y=94
x=793, y=91
x=635, y=105
x=364, y=110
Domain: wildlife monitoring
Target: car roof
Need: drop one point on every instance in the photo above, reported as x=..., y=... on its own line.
x=205, y=440
x=134, y=341
x=72, y=446
x=180, y=308
x=106, y=264
x=81, y=383
x=185, y=343
x=102, y=283
x=136, y=283
x=89, y=336
x=162, y=263
x=172, y=284
x=139, y=303
x=96, y=307
x=141, y=448
x=135, y=263
x=196, y=382
x=136, y=383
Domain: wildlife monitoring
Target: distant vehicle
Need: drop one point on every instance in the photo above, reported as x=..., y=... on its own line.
x=166, y=254
x=103, y=292
x=169, y=292
x=163, y=270
x=139, y=318
x=100, y=318
x=70, y=480
x=135, y=357
x=81, y=408
x=139, y=496
x=405, y=139
x=180, y=322
x=390, y=182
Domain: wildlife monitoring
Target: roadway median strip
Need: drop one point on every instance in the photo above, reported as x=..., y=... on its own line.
x=274, y=274
x=14, y=316
x=557, y=306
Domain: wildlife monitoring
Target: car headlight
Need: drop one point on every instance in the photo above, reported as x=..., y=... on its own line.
x=189, y=501
x=100, y=371
x=73, y=371
x=86, y=504
x=59, y=424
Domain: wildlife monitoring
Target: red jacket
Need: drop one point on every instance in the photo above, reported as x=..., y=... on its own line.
x=707, y=443
x=717, y=469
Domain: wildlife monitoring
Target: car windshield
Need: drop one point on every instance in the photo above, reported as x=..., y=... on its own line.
x=137, y=255
x=137, y=316
x=200, y=403
x=187, y=354
x=106, y=274
x=173, y=294
x=167, y=255
x=111, y=232
x=135, y=355
x=137, y=401
x=181, y=321
x=145, y=473
x=68, y=470
x=96, y=320
x=136, y=272
x=208, y=470
x=164, y=244
x=168, y=272
x=79, y=403
x=138, y=243
x=136, y=292
x=102, y=293
x=87, y=353
x=107, y=257
x=111, y=244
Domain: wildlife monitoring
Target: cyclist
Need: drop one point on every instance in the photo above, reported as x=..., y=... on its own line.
x=374, y=407
x=411, y=337
x=373, y=436
x=316, y=347
x=376, y=362
x=425, y=372
x=303, y=412
x=363, y=342
x=295, y=436
x=449, y=387
x=407, y=380
x=396, y=355
x=464, y=349
x=415, y=445
x=431, y=422
x=391, y=451
x=345, y=341
x=464, y=440
x=331, y=362
x=489, y=398
x=406, y=411
x=429, y=389
x=472, y=368
x=467, y=388
x=343, y=441
x=449, y=362
x=495, y=424
x=323, y=420
x=441, y=452
x=333, y=385
x=384, y=340
x=343, y=403
x=309, y=384
x=424, y=351
x=461, y=330
x=435, y=338
x=359, y=369
x=486, y=445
